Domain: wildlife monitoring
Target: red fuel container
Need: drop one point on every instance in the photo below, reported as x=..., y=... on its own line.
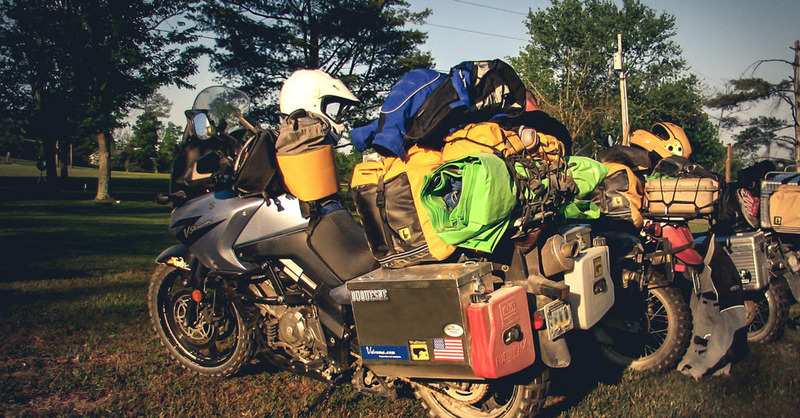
x=502, y=339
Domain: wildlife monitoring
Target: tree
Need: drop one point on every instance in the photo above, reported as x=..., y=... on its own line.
x=567, y=62
x=148, y=131
x=84, y=62
x=168, y=147
x=364, y=42
x=761, y=133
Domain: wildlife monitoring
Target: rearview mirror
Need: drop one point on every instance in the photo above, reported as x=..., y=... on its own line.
x=203, y=129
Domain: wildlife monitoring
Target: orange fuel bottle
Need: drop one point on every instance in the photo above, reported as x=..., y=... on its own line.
x=502, y=339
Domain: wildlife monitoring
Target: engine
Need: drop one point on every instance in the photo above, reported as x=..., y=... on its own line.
x=300, y=333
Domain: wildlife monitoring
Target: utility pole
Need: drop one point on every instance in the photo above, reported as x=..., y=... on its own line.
x=796, y=107
x=623, y=92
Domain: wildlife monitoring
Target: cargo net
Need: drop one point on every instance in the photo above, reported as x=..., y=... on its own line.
x=680, y=197
x=543, y=186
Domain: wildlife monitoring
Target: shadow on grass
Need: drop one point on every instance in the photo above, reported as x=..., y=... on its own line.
x=569, y=386
x=14, y=300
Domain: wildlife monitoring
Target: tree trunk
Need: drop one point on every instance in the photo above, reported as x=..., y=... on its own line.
x=63, y=162
x=796, y=110
x=104, y=161
x=51, y=163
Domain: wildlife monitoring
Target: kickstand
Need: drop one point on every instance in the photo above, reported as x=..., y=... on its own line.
x=322, y=397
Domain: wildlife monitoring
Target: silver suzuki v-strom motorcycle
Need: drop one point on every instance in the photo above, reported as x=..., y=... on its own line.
x=252, y=276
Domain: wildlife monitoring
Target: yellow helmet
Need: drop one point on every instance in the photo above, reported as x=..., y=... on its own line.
x=665, y=138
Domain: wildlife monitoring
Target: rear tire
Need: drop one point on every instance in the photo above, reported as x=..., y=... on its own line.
x=519, y=395
x=206, y=338
x=655, y=337
x=767, y=313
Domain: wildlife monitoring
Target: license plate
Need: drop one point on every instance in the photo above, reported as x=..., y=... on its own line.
x=558, y=318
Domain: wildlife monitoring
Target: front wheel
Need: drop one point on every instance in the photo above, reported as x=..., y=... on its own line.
x=767, y=313
x=520, y=395
x=206, y=337
x=647, y=332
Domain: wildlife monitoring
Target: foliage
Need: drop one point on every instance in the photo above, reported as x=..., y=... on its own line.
x=168, y=147
x=345, y=162
x=148, y=132
x=757, y=136
x=567, y=60
x=363, y=42
x=84, y=62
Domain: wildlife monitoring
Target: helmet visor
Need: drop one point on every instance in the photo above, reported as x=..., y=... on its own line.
x=335, y=108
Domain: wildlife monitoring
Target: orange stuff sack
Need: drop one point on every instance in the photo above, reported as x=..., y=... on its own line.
x=386, y=194
x=305, y=156
x=310, y=175
x=476, y=138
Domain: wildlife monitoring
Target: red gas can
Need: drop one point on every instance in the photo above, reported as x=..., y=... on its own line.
x=502, y=339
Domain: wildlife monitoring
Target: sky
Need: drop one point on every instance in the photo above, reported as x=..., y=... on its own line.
x=720, y=39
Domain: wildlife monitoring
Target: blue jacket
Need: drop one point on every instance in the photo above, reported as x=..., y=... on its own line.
x=387, y=134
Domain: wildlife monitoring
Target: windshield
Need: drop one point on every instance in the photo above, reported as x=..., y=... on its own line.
x=222, y=103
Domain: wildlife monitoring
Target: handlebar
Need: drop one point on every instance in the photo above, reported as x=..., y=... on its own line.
x=163, y=199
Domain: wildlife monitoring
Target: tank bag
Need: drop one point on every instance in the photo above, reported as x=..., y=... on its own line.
x=256, y=167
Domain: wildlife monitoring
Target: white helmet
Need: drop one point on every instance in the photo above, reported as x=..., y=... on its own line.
x=317, y=92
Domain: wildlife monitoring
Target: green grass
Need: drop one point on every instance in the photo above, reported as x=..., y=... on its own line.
x=19, y=179
x=77, y=341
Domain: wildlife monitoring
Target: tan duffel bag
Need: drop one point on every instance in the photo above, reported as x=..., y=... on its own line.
x=783, y=209
x=685, y=197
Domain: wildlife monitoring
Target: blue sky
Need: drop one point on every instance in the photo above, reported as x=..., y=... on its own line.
x=720, y=39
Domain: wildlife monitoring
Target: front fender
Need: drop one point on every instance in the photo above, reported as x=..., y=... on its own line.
x=177, y=256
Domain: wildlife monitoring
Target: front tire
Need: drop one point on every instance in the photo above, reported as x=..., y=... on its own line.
x=519, y=395
x=209, y=337
x=767, y=313
x=652, y=336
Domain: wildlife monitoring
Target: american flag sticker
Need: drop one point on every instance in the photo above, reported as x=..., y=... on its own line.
x=448, y=349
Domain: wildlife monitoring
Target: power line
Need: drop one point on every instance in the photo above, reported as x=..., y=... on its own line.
x=474, y=31
x=490, y=7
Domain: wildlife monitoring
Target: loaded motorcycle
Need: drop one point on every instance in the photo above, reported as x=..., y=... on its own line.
x=766, y=253
x=649, y=327
x=251, y=276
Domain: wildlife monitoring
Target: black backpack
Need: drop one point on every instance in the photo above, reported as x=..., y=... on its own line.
x=256, y=168
x=474, y=91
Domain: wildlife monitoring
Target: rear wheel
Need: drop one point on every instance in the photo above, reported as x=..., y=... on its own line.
x=767, y=313
x=520, y=395
x=647, y=331
x=206, y=337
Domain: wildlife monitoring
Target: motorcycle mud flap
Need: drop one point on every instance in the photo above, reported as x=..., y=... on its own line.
x=718, y=315
x=554, y=354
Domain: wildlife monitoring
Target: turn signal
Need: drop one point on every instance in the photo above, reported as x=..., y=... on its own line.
x=538, y=321
x=197, y=295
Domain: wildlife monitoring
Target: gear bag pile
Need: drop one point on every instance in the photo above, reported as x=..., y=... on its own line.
x=386, y=194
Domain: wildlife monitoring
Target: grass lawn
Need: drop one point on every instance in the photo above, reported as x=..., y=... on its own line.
x=77, y=340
